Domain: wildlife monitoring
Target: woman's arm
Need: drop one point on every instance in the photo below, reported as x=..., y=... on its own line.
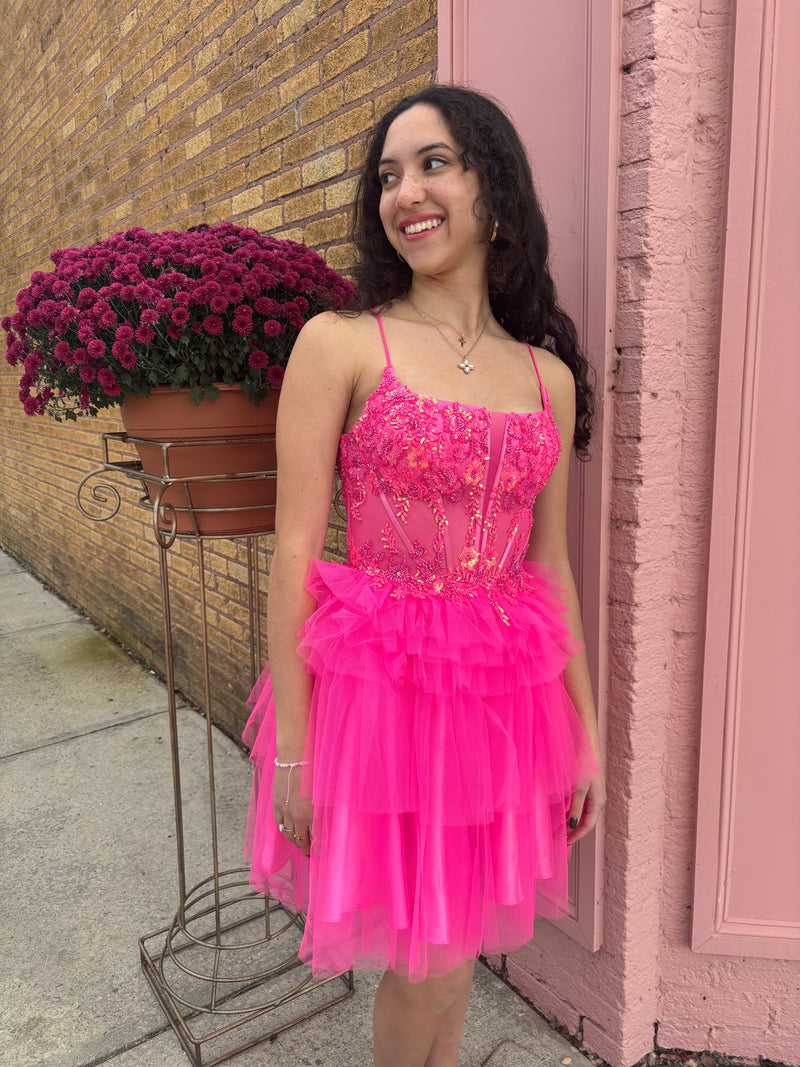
x=315, y=398
x=548, y=545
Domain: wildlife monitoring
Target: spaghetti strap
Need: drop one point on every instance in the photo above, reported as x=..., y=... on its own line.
x=383, y=337
x=545, y=397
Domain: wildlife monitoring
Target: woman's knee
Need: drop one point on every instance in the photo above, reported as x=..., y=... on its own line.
x=437, y=994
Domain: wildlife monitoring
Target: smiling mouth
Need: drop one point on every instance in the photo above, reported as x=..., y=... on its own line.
x=420, y=227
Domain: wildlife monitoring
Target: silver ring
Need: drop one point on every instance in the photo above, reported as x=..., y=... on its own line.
x=282, y=828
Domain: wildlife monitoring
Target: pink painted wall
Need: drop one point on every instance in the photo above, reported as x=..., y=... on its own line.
x=645, y=987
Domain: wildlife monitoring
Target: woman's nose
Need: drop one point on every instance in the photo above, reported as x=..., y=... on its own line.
x=410, y=191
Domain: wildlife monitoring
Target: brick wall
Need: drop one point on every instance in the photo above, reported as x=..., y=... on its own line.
x=165, y=114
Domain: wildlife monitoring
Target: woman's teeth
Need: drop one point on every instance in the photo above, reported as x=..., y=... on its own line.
x=418, y=227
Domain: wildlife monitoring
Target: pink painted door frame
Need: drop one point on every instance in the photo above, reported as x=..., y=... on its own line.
x=747, y=864
x=564, y=99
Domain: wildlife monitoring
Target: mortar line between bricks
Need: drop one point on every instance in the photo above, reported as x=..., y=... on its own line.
x=88, y=731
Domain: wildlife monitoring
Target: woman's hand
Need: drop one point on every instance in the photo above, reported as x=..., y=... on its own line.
x=293, y=812
x=585, y=808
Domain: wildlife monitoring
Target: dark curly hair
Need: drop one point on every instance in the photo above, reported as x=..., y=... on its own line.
x=521, y=289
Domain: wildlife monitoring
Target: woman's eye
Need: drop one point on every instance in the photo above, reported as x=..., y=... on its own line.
x=386, y=177
x=433, y=162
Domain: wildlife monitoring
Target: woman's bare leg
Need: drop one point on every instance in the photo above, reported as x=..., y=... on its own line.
x=419, y=1024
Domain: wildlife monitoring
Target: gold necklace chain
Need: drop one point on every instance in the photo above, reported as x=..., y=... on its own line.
x=465, y=364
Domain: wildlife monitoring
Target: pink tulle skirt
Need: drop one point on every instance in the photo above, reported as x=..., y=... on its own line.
x=445, y=752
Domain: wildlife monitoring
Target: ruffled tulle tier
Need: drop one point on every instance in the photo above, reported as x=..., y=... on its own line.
x=445, y=752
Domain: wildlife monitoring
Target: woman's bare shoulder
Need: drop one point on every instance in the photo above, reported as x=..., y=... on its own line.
x=556, y=375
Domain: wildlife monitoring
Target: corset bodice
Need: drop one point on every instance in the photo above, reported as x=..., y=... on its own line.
x=439, y=495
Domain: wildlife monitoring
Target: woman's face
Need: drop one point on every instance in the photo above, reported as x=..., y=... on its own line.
x=429, y=203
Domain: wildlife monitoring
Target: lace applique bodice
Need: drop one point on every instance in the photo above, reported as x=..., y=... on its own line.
x=439, y=495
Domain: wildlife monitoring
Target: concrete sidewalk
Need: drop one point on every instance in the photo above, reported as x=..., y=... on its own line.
x=88, y=863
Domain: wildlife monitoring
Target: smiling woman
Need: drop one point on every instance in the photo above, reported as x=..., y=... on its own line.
x=426, y=753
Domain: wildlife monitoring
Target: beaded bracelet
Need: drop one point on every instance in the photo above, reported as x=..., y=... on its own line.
x=291, y=767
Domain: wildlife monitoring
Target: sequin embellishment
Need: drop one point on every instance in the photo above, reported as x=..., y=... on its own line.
x=439, y=495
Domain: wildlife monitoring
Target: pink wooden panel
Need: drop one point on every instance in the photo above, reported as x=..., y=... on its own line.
x=554, y=67
x=747, y=881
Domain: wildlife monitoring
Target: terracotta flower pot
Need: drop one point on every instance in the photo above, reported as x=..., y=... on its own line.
x=177, y=439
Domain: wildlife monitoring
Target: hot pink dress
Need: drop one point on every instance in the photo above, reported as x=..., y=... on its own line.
x=445, y=749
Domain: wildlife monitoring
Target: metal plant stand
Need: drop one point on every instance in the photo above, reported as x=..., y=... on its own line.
x=225, y=970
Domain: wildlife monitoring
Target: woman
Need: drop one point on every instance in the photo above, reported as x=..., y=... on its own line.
x=432, y=750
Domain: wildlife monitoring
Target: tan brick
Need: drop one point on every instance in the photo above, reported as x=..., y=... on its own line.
x=222, y=73
x=417, y=51
x=356, y=154
x=387, y=31
x=341, y=257
x=219, y=211
x=300, y=15
x=265, y=9
x=246, y=144
x=266, y=220
x=275, y=65
x=217, y=13
x=214, y=162
x=136, y=113
x=321, y=104
x=347, y=55
x=178, y=77
x=323, y=33
x=231, y=179
x=278, y=129
x=189, y=42
x=165, y=63
x=358, y=11
x=340, y=195
x=283, y=184
x=369, y=78
x=238, y=90
x=255, y=50
x=397, y=92
x=128, y=24
x=248, y=200
x=201, y=193
x=182, y=127
x=263, y=164
x=264, y=105
x=289, y=234
x=304, y=81
x=156, y=97
x=197, y=144
x=352, y=123
x=227, y=126
x=237, y=31
x=303, y=207
x=327, y=166
x=207, y=55
x=323, y=231
x=303, y=147
x=208, y=109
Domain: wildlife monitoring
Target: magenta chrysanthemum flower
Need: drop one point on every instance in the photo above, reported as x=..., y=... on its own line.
x=258, y=360
x=145, y=334
x=213, y=324
x=180, y=316
x=108, y=381
x=275, y=375
x=96, y=348
x=273, y=328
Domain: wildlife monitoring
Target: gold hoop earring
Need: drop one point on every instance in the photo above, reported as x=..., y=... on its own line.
x=493, y=238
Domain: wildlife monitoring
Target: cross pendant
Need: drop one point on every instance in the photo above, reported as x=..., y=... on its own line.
x=466, y=366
